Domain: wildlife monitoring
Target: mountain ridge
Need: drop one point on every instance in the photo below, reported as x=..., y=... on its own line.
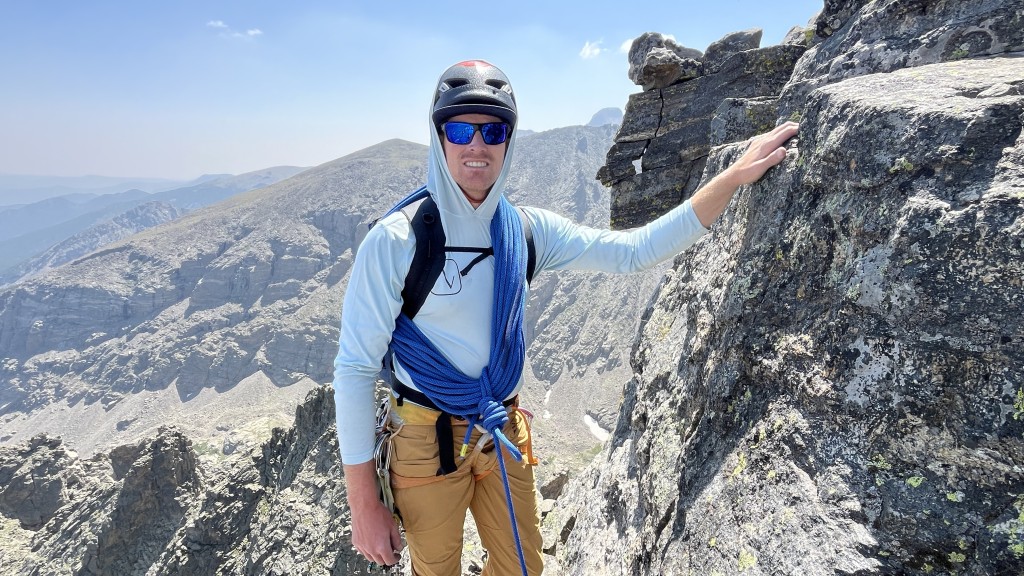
x=194, y=307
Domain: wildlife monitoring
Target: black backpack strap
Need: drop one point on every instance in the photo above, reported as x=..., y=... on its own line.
x=428, y=260
x=531, y=259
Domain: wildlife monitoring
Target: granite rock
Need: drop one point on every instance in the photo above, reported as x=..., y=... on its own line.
x=831, y=381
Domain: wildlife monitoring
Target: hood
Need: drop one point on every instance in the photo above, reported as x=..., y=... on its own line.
x=453, y=205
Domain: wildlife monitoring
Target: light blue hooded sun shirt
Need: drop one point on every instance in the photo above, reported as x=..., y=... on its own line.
x=456, y=316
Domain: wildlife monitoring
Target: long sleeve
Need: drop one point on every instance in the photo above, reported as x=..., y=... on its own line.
x=563, y=244
x=372, y=302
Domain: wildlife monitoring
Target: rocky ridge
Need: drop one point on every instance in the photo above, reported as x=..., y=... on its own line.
x=157, y=507
x=831, y=381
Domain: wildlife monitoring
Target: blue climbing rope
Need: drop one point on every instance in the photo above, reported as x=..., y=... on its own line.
x=479, y=400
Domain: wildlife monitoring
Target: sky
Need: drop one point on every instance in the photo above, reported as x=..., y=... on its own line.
x=177, y=89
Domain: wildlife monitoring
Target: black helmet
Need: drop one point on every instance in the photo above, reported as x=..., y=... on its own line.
x=474, y=87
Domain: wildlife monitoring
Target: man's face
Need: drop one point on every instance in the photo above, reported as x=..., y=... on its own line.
x=474, y=166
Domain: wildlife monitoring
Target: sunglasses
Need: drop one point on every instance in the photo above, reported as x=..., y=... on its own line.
x=462, y=132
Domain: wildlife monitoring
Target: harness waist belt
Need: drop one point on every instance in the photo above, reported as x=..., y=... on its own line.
x=443, y=425
x=415, y=396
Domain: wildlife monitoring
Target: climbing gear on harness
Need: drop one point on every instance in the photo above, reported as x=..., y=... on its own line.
x=443, y=424
x=382, y=452
x=411, y=414
x=473, y=87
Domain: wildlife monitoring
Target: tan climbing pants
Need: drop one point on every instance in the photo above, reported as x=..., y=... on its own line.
x=433, y=508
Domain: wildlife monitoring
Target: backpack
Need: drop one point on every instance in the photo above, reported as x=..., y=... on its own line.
x=429, y=259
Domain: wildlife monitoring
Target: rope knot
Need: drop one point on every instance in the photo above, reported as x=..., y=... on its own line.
x=492, y=414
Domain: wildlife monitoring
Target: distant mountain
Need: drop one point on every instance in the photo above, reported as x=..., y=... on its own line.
x=216, y=188
x=16, y=250
x=606, y=116
x=121, y=226
x=27, y=231
x=43, y=214
x=27, y=189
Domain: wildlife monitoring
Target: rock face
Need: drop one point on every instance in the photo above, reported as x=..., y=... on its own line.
x=156, y=507
x=113, y=514
x=670, y=128
x=832, y=381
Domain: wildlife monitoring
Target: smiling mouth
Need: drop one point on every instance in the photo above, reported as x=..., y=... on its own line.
x=476, y=164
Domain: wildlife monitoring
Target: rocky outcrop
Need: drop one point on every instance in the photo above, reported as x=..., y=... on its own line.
x=855, y=37
x=155, y=508
x=114, y=514
x=832, y=382
x=689, y=104
x=656, y=61
x=34, y=481
x=282, y=512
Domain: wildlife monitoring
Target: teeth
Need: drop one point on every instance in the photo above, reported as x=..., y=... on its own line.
x=476, y=164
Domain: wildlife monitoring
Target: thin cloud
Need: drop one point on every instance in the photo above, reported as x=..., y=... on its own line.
x=228, y=32
x=591, y=50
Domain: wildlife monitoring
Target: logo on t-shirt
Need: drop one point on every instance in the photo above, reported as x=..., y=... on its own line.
x=450, y=280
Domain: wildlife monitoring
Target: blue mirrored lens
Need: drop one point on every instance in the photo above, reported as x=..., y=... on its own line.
x=459, y=132
x=494, y=132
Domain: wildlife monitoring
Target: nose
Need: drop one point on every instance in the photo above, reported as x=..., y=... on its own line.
x=478, y=139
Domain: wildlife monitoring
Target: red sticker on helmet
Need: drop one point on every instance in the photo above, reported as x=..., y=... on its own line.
x=475, y=63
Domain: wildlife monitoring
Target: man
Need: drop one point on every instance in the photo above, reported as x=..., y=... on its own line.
x=467, y=336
